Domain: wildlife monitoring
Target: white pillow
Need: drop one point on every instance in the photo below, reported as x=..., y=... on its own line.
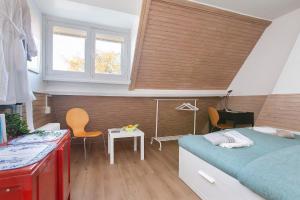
x=265, y=129
x=292, y=131
x=285, y=134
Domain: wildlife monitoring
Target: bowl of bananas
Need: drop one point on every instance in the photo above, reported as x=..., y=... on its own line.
x=130, y=128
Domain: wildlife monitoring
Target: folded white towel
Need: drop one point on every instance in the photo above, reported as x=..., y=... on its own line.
x=234, y=145
x=218, y=138
x=240, y=140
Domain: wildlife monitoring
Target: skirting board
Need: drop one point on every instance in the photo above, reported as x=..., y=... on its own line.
x=210, y=183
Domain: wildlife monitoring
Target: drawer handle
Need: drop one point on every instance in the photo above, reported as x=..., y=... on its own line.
x=206, y=177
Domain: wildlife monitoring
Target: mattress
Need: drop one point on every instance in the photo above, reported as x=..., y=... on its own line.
x=270, y=168
x=275, y=176
x=232, y=161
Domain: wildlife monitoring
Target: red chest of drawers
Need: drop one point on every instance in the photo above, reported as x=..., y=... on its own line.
x=48, y=179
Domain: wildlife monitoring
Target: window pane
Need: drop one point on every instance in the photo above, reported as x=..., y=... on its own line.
x=68, y=49
x=108, y=55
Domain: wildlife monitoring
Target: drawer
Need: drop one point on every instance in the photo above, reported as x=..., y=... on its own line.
x=201, y=180
x=11, y=193
x=209, y=182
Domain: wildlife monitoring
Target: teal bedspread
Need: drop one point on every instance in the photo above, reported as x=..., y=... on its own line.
x=255, y=166
x=275, y=176
x=232, y=161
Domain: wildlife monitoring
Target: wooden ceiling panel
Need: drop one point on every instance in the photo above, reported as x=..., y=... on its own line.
x=184, y=45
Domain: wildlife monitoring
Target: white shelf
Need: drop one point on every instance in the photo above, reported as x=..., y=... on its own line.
x=169, y=138
x=139, y=93
x=165, y=139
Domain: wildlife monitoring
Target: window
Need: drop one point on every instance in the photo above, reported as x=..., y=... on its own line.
x=86, y=53
x=108, y=55
x=68, y=49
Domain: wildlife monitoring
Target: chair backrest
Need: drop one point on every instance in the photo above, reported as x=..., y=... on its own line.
x=77, y=119
x=213, y=116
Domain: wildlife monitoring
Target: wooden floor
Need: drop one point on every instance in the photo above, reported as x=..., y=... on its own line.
x=129, y=178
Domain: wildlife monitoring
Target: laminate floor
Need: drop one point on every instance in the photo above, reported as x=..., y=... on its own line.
x=155, y=178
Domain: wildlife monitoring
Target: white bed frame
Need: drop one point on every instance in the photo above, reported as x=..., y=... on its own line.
x=210, y=183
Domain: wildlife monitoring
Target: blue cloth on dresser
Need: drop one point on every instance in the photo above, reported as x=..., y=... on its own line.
x=274, y=176
x=17, y=156
x=255, y=166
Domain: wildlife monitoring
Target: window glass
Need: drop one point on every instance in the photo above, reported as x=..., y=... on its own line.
x=68, y=49
x=108, y=55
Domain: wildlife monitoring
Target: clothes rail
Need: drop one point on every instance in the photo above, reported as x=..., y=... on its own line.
x=174, y=137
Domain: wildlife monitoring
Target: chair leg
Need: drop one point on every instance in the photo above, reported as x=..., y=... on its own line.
x=105, y=150
x=84, y=146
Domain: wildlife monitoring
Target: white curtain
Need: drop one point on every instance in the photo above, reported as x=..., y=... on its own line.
x=16, y=46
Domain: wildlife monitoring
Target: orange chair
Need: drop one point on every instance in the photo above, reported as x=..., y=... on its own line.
x=214, y=120
x=77, y=119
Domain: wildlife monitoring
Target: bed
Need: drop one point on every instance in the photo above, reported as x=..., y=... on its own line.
x=267, y=170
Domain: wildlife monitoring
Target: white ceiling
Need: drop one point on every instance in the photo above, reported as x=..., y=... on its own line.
x=85, y=12
x=266, y=9
x=127, y=6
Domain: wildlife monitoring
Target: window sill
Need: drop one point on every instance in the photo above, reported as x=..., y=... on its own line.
x=86, y=80
x=138, y=93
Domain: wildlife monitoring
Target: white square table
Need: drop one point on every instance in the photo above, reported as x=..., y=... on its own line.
x=119, y=133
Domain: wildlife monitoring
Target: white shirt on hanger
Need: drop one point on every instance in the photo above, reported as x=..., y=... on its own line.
x=11, y=14
x=15, y=26
x=3, y=72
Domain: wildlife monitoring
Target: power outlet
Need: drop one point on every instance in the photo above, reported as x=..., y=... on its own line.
x=47, y=110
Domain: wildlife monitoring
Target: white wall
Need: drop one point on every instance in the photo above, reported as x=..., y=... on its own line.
x=289, y=80
x=96, y=15
x=36, y=18
x=134, y=34
x=264, y=65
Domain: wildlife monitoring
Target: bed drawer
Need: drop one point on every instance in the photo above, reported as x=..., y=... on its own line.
x=209, y=182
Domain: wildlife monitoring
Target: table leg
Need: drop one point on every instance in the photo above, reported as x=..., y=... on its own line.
x=111, y=150
x=108, y=143
x=135, y=144
x=142, y=148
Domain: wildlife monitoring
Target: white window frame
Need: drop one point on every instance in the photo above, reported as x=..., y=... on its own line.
x=89, y=74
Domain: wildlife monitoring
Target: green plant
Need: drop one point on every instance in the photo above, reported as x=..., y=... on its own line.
x=15, y=126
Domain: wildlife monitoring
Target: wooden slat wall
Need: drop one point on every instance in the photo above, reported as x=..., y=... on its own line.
x=281, y=111
x=184, y=45
x=114, y=112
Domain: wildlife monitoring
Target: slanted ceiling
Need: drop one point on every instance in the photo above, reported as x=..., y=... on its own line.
x=188, y=46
